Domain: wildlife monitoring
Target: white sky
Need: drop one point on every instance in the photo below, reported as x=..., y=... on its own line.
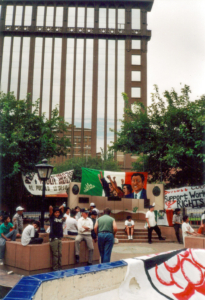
x=176, y=51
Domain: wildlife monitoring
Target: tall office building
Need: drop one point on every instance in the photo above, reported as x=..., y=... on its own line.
x=79, y=55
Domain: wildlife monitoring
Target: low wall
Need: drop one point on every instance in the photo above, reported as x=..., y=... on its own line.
x=70, y=284
x=194, y=242
x=169, y=232
x=139, y=216
x=33, y=259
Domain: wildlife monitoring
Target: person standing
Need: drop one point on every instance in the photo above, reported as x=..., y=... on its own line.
x=152, y=224
x=18, y=219
x=30, y=234
x=6, y=235
x=177, y=221
x=85, y=226
x=105, y=229
x=56, y=234
x=78, y=214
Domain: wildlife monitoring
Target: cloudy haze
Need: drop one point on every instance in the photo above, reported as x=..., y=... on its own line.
x=176, y=51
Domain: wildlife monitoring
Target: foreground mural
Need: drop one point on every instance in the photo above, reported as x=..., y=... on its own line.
x=174, y=275
x=114, y=184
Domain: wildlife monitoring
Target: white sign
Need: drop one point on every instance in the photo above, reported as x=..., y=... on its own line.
x=57, y=184
x=192, y=196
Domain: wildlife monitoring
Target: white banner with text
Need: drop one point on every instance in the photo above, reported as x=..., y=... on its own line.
x=192, y=196
x=57, y=184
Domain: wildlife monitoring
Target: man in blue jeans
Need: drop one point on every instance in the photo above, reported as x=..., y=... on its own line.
x=105, y=229
x=6, y=235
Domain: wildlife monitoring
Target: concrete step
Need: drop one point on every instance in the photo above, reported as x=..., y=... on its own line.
x=143, y=241
x=137, y=233
x=136, y=237
x=137, y=230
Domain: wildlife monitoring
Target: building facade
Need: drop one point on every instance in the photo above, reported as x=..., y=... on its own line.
x=77, y=55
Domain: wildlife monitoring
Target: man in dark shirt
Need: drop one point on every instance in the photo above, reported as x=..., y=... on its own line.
x=56, y=234
x=93, y=217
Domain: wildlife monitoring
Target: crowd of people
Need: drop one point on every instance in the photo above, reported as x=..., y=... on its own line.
x=86, y=225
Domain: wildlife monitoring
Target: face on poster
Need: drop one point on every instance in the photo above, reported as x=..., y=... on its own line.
x=114, y=184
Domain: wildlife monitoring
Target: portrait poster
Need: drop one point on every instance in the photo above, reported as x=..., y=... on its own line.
x=114, y=184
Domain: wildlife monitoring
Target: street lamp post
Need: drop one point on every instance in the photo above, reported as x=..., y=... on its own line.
x=44, y=173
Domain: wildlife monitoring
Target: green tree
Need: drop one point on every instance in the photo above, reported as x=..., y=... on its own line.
x=105, y=162
x=171, y=135
x=25, y=139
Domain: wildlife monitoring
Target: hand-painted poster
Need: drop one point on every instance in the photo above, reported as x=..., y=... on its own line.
x=114, y=184
x=56, y=185
x=174, y=275
x=192, y=196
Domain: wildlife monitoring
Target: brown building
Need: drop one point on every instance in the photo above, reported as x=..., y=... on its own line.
x=79, y=55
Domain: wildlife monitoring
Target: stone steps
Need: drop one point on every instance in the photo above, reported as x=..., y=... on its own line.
x=142, y=237
x=143, y=241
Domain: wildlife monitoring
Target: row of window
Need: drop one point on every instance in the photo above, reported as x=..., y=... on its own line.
x=75, y=81
x=84, y=17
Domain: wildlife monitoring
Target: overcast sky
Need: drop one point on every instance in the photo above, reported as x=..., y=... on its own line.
x=176, y=51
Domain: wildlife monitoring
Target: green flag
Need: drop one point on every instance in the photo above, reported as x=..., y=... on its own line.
x=90, y=184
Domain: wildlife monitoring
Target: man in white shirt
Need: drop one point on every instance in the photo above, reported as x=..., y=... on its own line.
x=30, y=235
x=66, y=216
x=72, y=224
x=186, y=228
x=85, y=225
x=152, y=224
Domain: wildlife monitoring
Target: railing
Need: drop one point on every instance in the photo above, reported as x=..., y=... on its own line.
x=31, y=215
x=77, y=30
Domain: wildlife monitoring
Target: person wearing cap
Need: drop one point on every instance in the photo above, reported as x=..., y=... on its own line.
x=56, y=234
x=177, y=221
x=6, y=235
x=18, y=219
x=152, y=224
x=93, y=208
x=85, y=226
x=105, y=229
